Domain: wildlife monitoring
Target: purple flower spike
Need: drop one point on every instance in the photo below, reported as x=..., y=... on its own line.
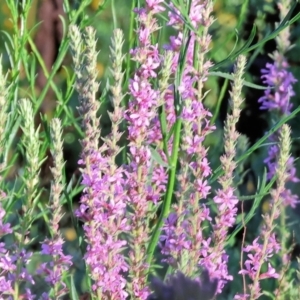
x=280, y=86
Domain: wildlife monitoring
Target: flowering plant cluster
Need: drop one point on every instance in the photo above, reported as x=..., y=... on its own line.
x=154, y=209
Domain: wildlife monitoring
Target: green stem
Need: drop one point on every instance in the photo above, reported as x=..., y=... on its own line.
x=130, y=46
x=168, y=198
x=163, y=126
x=128, y=69
x=174, y=157
x=58, y=94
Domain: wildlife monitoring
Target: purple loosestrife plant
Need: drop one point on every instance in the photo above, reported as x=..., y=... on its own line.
x=103, y=256
x=103, y=203
x=277, y=100
x=123, y=199
x=215, y=259
x=19, y=251
x=280, y=85
x=143, y=133
x=15, y=280
x=264, y=247
x=182, y=239
x=148, y=192
x=276, y=75
x=59, y=263
x=14, y=277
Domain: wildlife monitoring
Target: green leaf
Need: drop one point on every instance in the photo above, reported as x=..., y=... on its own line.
x=233, y=56
x=157, y=158
x=230, y=77
x=247, y=48
x=73, y=292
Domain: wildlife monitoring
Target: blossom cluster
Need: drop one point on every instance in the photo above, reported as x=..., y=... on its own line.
x=277, y=100
x=149, y=193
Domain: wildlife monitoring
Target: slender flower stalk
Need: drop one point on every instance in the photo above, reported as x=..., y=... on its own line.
x=32, y=145
x=59, y=263
x=277, y=100
x=196, y=127
x=18, y=254
x=113, y=194
x=182, y=236
x=216, y=259
x=264, y=247
x=13, y=259
x=103, y=203
x=143, y=131
x=86, y=86
x=162, y=125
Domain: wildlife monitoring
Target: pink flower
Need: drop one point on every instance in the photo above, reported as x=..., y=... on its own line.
x=104, y=210
x=226, y=199
x=202, y=187
x=155, y=6
x=271, y=273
